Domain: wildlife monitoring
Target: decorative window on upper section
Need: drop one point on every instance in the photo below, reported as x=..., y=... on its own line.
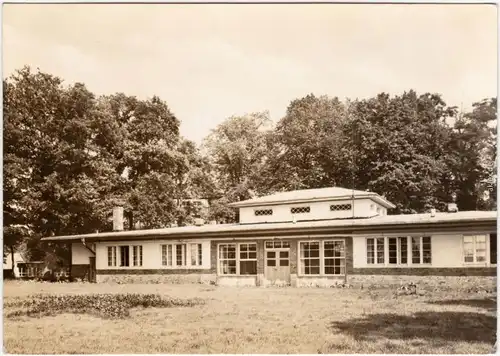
x=263, y=212
x=340, y=207
x=300, y=210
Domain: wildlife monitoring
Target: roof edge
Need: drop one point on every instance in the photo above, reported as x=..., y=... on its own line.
x=374, y=196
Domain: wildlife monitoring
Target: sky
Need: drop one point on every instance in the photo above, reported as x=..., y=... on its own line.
x=209, y=62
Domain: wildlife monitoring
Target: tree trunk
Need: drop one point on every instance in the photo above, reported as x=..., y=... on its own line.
x=12, y=260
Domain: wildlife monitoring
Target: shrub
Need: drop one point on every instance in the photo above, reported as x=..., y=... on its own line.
x=103, y=305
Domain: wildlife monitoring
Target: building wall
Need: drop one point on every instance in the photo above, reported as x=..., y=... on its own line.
x=319, y=210
x=447, y=265
x=447, y=257
x=151, y=254
x=7, y=266
x=80, y=254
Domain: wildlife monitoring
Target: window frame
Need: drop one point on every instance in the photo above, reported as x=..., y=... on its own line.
x=487, y=256
x=321, y=258
x=114, y=252
x=263, y=212
x=119, y=262
x=343, y=257
x=137, y=255
x=278, y=246
x=300, y=209
x=237, y=258
x=489, y=249
x=198, y=260
x=375, y=250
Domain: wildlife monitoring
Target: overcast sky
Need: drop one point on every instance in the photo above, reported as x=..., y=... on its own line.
x=209, y=62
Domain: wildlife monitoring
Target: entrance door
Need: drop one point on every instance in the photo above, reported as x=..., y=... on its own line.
x=277, y=262
x=92, y=277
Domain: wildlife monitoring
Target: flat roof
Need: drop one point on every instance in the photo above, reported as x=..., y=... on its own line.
x=348, y=224
x=311, y=195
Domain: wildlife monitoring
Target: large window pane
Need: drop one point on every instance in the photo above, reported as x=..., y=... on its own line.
x=393, y=250
x=124, y=256
x=426, y=250
x=248, y=267
x=415, y=250
x=493, y=249
x=403, y=248
x=227, y=259
x=370, y=251
x=309, y=258
x=380, y=250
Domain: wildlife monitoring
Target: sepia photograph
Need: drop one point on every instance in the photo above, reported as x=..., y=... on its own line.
x=238, y=178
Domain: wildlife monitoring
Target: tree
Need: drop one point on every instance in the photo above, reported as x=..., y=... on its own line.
x=400, y=148
x=236, y=149
x=304, y=149
x=57, y=180
x=473, y=156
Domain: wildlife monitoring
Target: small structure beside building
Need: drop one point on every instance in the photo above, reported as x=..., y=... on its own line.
x=23, y=268
x=314, y=237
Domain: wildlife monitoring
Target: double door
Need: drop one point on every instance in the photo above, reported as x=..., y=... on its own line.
x=277, y=261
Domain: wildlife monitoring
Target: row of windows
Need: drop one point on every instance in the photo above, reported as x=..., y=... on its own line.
x=29, y=271
x=315, y=258
x=413, y=250
x=304, y=209
x=171, y=255
x=400, y=250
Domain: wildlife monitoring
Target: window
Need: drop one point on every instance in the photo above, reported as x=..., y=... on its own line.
x=166, y=255
x=309, y=258
x=493, y=249
x=393, y=250
x=278, y=258
x=124, y=256
x=474, y=248
x=300, y=210
x=112, y=256
x=196, y=254
x=340, y=207
x=263, y=212
x=334, y=253
x=375, y=250
x=277, y=244
x=22, y=271
x=227, y=259
x=403, y=250
x=180, y=255
x=421, y=252
x=137, y=255
x=248, y=259
x=398, y=250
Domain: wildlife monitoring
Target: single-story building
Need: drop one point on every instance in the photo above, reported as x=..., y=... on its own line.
x=313, y=237
x=23, y=268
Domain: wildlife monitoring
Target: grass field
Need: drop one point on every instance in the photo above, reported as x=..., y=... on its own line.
x=260, y=320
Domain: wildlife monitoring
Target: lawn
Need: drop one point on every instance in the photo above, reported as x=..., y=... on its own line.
x=259, y=320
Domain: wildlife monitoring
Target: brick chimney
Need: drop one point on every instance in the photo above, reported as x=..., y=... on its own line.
x=118, y=215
